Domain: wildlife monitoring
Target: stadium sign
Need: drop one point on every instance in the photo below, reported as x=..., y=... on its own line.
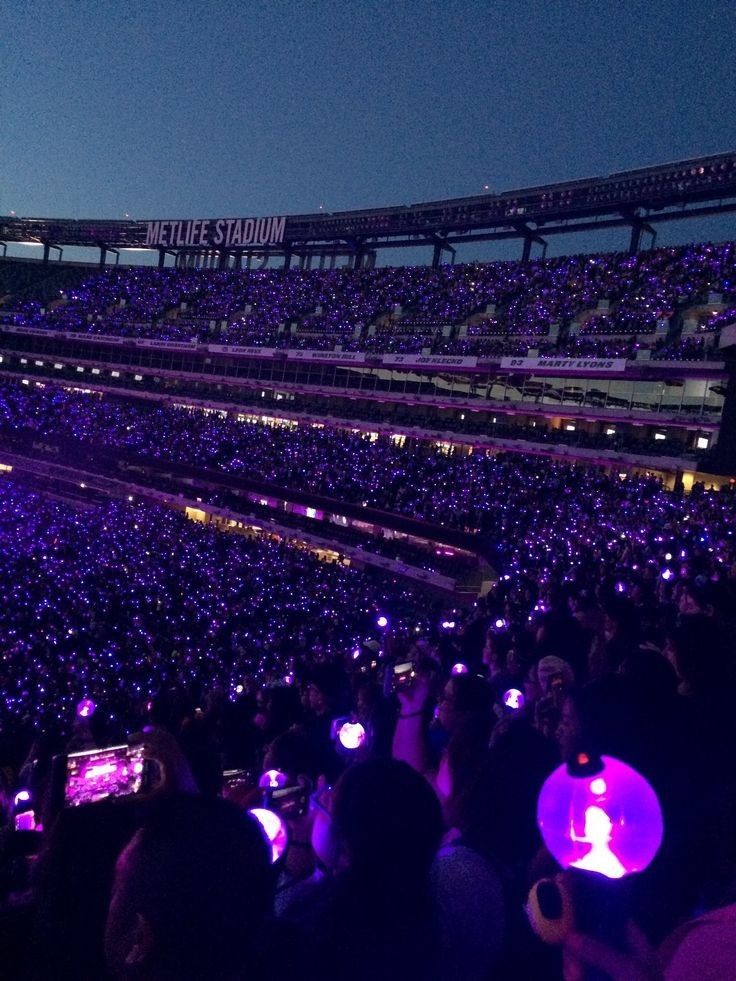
x=429, y=360
x=207, y=233
x=565, y=364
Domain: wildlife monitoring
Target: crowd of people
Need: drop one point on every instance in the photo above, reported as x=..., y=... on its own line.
x=487, y=310
x=474, y=492
x=414, y=848
x=225, y=759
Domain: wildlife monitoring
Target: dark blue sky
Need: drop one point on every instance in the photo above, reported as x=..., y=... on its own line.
x=223, y=108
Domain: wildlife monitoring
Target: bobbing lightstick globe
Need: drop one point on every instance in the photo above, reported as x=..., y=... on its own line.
x=273, y=778
x=274, y=829
x=86, y=708
x=604, y=819
x=351, y=735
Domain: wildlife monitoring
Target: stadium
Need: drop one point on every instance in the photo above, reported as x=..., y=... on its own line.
x=367, y=569
x=514, y=473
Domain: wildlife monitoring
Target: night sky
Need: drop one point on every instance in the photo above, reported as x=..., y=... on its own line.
x=222, y=108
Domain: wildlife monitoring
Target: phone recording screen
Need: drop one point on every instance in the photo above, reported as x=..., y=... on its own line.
x=116, y=771
x=403, y=674
x=289, y=801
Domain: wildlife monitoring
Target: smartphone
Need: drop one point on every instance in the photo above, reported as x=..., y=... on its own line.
x=232, y=779
x=116, y=771
x=289, y=802
x=25, y=821
x=403, y=676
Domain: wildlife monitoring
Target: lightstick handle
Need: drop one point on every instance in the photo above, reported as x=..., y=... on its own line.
x=602, y=910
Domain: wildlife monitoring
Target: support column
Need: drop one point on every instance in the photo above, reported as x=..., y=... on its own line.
x=635, y=238
x=437, y=255
x=527, y=250
x=103, y=256
x=161, y=258
x=46, y=251
x=287, y=258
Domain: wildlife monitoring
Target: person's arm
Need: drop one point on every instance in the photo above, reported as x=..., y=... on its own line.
x=410, y=738
x=637, y=963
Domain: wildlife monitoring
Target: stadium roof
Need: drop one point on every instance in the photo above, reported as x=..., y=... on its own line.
x=636, y=198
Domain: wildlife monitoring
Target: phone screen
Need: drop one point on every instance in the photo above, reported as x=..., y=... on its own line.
x=232, y=779
x=25, y=821
x=290, y=802
x=116, y=771
x=403, y=674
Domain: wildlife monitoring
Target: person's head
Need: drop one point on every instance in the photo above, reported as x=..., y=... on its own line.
x=696, y=598
x=327, y=690
x=651, y=675
x=620, y=618
x=602, y=717
x=553, y=671
x=281, y=709
x=292, y=753
x=497, y=811
x=74, y=881
x=698, y=651
x=386, y=821
x=192, y=890
x=465, y=698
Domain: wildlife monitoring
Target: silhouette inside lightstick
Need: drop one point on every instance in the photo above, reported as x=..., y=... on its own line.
x=598, y=834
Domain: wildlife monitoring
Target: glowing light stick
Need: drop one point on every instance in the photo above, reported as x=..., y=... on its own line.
x=273, y=778
x=274, y=828
x=608, y=822
x=86, y=708
x=351, y=735
x=513, y=699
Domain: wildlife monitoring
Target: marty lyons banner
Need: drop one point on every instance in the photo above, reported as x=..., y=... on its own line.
x=565, y=364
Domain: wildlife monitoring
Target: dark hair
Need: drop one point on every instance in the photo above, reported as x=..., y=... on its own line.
x=203, y=880
x=473, y=695
x=292, y=752
x=497, y=813
x=75, y=877
x=380, y=922
x=389, y=817
x=701, y=654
